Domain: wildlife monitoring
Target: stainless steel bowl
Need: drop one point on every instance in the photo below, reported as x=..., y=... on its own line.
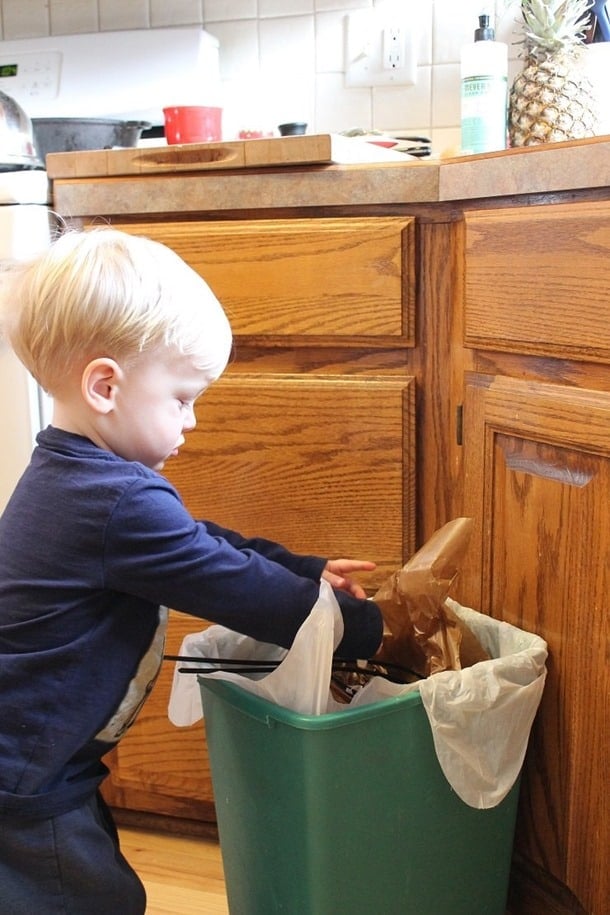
x=17, y=148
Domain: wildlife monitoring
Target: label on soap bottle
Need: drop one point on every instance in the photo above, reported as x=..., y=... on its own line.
x=484, y=100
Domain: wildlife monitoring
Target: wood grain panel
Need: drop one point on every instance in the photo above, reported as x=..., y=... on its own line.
x=537, y=462
x=324, y=465
x=324, y=279
x=537, y=280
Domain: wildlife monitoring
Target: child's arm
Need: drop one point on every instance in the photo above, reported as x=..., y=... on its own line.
x=337, y=572
x=155, y=550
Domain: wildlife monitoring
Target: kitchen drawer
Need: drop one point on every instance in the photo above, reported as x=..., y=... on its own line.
x=312, y=278
x=537, y=280
x=322, y=464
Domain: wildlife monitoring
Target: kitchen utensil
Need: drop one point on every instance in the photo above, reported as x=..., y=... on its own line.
x=420, y=147
x=192, y=124
x=72, y=134
x=17, y=146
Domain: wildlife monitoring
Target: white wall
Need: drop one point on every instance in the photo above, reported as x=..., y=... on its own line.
x=283, y=60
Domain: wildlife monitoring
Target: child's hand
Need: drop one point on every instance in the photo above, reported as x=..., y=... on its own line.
x=337, y=573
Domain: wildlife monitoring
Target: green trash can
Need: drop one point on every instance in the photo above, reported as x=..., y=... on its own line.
x=347, y=812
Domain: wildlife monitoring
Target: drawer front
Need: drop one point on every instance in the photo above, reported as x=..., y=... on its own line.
x=537, y=281
x=312, y=278
x=322, y=464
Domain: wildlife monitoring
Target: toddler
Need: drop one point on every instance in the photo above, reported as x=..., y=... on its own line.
x=95, y=543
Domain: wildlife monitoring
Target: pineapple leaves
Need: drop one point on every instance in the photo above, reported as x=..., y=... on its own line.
x=552, y=26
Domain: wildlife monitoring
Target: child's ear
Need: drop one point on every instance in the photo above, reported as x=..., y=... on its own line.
x=99, y=384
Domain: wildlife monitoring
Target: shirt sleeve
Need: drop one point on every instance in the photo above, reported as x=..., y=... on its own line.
x=308, y=566
x=155, y=550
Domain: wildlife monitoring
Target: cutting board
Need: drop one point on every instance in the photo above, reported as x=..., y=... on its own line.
x=316, y=149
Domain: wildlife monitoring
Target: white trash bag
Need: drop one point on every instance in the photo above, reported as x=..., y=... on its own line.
x=480, y=716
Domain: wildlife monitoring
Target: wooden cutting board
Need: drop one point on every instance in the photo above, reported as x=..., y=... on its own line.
x=299, y=150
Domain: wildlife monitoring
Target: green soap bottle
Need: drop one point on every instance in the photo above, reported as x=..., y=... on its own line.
x=484, y=95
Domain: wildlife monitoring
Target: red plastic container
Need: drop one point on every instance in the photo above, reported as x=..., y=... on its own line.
x=192, y=124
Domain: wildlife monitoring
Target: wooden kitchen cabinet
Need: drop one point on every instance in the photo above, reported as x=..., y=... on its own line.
x=537, y=483
x=459, y=314
x=308, y=439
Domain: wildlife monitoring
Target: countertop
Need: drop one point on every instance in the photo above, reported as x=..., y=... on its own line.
x=552, y=168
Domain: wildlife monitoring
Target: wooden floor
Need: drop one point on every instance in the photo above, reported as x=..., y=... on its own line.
x=182, y=876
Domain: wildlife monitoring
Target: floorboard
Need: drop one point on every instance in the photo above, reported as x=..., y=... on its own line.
x=182, y=875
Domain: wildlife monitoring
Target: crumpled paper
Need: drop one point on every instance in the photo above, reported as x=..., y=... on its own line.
x=421, y=631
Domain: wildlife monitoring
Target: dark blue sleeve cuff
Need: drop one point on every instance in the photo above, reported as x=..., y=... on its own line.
x=363, y=627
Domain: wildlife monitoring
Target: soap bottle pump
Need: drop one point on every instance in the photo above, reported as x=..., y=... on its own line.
x=484, y=72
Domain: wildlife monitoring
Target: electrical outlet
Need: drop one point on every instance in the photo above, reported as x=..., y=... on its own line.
x=379, y=51
x=393, y=52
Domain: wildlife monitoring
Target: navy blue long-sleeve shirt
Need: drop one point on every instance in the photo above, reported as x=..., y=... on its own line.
x=92, y=548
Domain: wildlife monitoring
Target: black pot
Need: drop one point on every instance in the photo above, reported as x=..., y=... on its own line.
x=293, y=129
x=71, y=134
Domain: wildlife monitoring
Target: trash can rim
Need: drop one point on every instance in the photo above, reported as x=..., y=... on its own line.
x=263, y=710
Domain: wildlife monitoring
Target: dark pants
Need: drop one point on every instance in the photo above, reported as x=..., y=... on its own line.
x=67, y=865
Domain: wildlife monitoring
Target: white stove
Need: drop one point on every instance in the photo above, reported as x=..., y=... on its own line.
x=130, y=75
x=25, y=230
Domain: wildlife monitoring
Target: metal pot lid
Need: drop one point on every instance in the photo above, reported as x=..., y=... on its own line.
x=17, y=149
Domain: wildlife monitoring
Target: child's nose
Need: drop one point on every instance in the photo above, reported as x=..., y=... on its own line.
x=190, y=420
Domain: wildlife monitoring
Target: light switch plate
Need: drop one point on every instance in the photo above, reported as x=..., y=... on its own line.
x=380, y=49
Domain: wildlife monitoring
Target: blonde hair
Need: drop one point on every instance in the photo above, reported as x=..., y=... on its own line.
x=103, y=292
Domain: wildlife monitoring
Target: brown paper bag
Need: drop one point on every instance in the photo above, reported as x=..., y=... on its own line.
x=422, y=632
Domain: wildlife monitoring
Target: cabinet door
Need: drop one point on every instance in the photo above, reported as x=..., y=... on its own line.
x=537, y=482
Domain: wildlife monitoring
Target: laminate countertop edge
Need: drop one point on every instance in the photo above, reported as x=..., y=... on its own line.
x=552, y=168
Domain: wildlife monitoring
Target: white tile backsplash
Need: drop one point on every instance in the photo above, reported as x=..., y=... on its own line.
x=402, y=107
x=25, y=18
x=178, y=12
x=239, y=50
x=68, y=17
x=267, y=8
x=446, y=95
x=219, y=10
x=284, y=59
x=117, y=14
x=330, y=42
x=338, y=108
x=321, y=6
x=287, y=47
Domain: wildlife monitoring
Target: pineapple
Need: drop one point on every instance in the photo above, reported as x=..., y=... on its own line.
x=551, y=98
